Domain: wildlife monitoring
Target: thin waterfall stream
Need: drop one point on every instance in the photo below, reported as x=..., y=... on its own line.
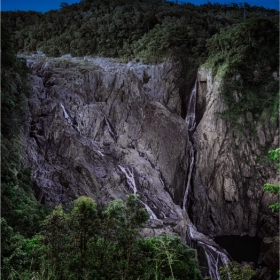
x=67, y=117
x=214, y=254
x=191, y=151
x=190, y=117
x=131, y=182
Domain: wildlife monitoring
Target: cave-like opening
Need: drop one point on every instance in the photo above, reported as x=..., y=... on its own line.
x=241, y=248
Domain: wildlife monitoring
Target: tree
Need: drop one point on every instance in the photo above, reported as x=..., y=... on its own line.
x=84, y=224
x=20, y=256
x=56, y=241
x=63, y=5
x=165, y=257
x=133, y=218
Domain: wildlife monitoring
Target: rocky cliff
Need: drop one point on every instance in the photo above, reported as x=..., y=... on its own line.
x=105, y=129
x=95, y=124
x=230, y=172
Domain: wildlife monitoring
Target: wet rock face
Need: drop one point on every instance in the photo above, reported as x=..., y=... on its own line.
x=88, y=120
x=268, y=262
x=228, y=197
x=270, y=253
x=105, y=129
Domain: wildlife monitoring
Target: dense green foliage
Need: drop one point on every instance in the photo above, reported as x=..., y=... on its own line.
x=274, y=188
x=151, y=31
x=93, y=243
x=19, y=206
x=235, y=271
x=247, y=52
x=146, y=30
x=21, y=213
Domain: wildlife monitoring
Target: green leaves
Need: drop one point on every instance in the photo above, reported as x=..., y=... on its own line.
x=19, y=255
x=81, y=242
x=136, y=215
x=248, y=82
x=273, y=188
x=21, y=212
x=84, y=210
x=106, y=244
x=169, y=258
x=235, y=271
x=126, y=29
x=275, y=157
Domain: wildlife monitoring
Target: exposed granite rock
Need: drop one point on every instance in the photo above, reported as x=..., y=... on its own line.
x=269, y=256
x=228, y=196
x=262, y=273
x=105, y=129
x=89, y=119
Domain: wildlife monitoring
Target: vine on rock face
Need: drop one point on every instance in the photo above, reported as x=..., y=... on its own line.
x=274, y=188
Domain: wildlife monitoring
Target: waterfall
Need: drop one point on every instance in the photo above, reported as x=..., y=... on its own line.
x=111, y=129
x=131, y=182
x=100, y=153
x=129, y=178
x=189, y=178
x=96, y=148
x=215, y=259
x=66, y=116
x=214, y=254
x=150, y=211
x=190, y=117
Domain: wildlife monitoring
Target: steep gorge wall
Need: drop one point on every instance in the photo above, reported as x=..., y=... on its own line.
x=230, y=172
x=90, y=120
x=94, y=123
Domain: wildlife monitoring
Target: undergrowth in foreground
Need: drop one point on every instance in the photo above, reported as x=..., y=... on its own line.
x=93, y=243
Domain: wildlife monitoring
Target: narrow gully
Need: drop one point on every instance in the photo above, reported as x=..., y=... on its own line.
x=216, y=256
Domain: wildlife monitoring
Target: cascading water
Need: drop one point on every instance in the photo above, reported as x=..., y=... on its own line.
x=189, y=178
x=190, y=118
x=111, y=129
x=214, y=254
x=131, y=182
x=215, y=259
x=190, y=121
x=129, y=178
x=96, y=148
x=66, y=116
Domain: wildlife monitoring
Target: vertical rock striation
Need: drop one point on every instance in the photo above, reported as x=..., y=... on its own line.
x=87, y=119
x=228, y=196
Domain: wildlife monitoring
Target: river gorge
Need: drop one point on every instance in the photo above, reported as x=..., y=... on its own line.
x=101, y=128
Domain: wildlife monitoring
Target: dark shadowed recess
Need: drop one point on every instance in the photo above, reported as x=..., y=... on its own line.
x=241, y=248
